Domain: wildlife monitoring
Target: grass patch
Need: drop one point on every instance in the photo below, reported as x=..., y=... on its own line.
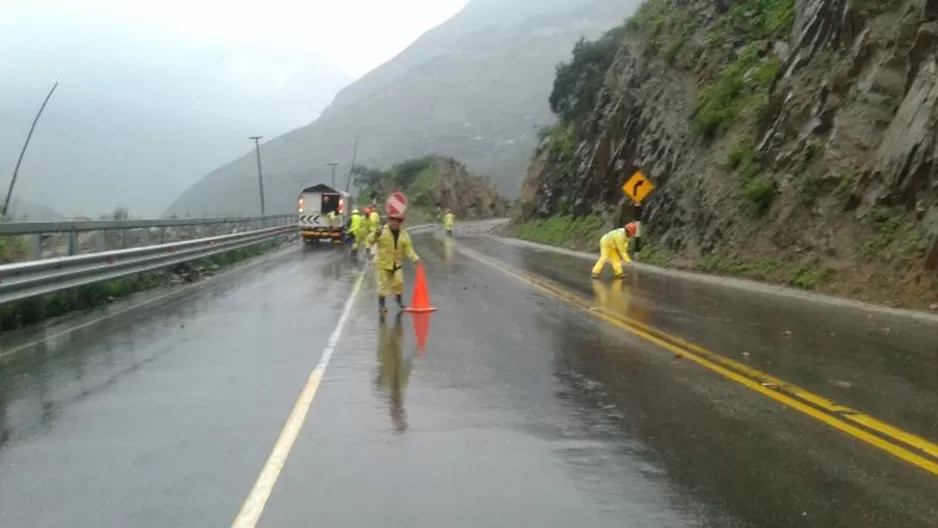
x=741, y=155
x=563, y=230
x=741, y=86
x=759, y=192
x=845, y=187
x=36, y=310
x=759, y=269
x=914, y=245
x=651, y=254
x=755, y=20
x=808, y=278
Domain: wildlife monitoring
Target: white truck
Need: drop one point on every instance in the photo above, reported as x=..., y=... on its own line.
x=322, y=214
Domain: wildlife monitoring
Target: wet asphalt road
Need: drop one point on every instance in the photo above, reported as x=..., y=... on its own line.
x=519, y=411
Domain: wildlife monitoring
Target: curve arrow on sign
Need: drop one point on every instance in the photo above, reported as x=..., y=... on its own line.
x=635, y=187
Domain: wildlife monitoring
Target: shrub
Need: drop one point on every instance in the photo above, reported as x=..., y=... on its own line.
x=721, y=102
x=577, y=81
x=760, y=192
x=808, y=278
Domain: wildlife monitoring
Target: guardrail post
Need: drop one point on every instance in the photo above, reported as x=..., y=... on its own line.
x=145, y=236
x=34, y=243
x=100, y=240
x=72, y=243
x=124, y=238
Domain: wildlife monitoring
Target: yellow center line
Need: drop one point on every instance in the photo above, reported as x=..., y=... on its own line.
x=837, y=416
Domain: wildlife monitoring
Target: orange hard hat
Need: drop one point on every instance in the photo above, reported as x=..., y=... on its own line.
x=631, y=228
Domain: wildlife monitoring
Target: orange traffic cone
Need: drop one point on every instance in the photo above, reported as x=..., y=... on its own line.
x=420, y=302
x=421, y=329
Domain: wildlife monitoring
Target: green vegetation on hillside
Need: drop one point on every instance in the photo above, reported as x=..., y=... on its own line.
x=563, y=231
x=12, y=249
x=577, y=82
x=414, y=177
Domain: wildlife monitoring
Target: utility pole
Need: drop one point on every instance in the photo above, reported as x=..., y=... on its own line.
x=16, y=170
x=260, y=173
x=333, y=165
x=351, y=167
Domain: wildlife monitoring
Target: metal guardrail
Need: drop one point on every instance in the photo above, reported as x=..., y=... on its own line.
x=23, y=280
x=69, y=238
x=35, y=228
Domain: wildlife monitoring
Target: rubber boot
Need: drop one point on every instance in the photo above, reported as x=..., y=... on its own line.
x=381, y=306
x=400, y=301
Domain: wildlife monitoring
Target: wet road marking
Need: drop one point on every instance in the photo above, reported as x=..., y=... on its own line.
x=901, y=444
x=253, y=506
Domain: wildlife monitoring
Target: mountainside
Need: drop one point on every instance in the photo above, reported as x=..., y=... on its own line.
x=790, y=140
x=21, y=211
x=432, y=185
x=474, y=89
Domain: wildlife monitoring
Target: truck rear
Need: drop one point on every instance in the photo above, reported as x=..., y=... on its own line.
x=322, y=214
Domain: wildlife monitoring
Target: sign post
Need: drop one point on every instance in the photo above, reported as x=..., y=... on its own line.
x=638, y=187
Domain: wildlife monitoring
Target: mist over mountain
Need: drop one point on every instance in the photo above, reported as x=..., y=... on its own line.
x=138, y=117
x=474, y=88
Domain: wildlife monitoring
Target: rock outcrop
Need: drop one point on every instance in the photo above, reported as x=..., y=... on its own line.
x=468, y=195
x=434, y=184
x=796, y=130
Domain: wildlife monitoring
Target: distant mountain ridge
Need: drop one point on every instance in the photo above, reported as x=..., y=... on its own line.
x=474, y=88
x=21, y=211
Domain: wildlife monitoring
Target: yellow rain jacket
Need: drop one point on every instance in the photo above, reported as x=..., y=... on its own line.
x=449, y=221
x=613, y=248
x=356, y=226
x=374, y=220
x=389, y=257
x=391, y=250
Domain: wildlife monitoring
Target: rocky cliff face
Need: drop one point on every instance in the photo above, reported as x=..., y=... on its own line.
x=468, y=195
x=799, y=134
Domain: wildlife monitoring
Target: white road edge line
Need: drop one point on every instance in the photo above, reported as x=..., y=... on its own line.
x=253, y=506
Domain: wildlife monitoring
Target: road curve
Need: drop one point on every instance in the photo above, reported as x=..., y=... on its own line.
x=522, y=409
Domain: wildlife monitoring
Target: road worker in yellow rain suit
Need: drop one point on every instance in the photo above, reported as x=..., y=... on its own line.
x=391, y=243
x=374, y=222
x=358, y=230
x=613, y=247
x=449, y=222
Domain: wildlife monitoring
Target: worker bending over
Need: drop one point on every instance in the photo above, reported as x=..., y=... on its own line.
x=613, y=247
x=449, y=222
x=391, y=243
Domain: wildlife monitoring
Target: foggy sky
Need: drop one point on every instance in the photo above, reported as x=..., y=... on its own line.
x=153, y=96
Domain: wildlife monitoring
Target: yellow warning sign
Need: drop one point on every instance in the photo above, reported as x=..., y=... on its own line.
x=638, y=187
